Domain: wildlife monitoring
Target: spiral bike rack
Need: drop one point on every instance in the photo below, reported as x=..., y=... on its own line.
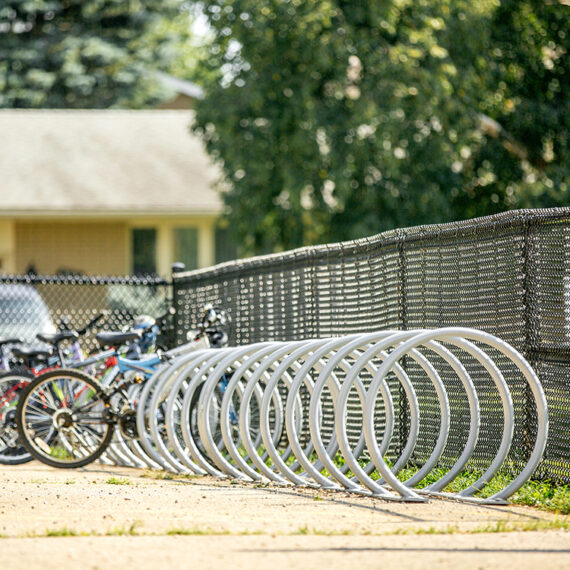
x=327, y=413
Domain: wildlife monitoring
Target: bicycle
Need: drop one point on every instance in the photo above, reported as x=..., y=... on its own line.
x=21, y=364
x=26, y=363
x=67, y=418
x=12, y=381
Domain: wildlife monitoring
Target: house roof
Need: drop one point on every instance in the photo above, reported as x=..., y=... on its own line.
x=93, y=162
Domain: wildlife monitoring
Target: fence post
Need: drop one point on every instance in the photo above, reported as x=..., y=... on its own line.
x=530, y=342
x=404, y=414
x=175, y=268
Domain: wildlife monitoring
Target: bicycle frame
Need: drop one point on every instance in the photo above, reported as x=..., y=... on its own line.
x=118, y=365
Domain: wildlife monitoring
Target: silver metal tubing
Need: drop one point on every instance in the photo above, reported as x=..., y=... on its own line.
x=280, y=411
x=241, y=358
x=183, y=384
x=271, y=439
x=199, y=411
x=376, y=453
x=144, y=420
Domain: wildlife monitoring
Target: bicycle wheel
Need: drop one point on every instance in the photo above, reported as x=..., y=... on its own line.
x=62, y=419
x=213, y=418
x=12, y=384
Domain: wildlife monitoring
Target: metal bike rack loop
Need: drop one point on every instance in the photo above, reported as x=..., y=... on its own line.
x=283, y=412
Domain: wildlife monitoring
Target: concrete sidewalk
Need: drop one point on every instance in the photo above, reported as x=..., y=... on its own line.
x=108, y=517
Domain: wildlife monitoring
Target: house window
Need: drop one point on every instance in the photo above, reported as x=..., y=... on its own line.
x=225, y=246
x=186, y=246
x=144, y=251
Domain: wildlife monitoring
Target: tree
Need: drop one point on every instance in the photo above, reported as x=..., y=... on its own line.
x=523, y=160
x=88, y=53
x=338, y=119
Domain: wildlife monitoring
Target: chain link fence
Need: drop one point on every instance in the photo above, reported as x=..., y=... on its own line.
x=507, y=274
x=31, y=304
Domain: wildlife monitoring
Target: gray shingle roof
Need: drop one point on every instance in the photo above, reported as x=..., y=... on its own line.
x=103, y=161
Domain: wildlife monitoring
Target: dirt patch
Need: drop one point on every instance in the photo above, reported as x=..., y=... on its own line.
x=106, y=517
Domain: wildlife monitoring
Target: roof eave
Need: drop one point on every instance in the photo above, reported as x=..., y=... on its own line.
x=121, y=213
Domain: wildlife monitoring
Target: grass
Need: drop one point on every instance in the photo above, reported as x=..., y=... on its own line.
x=155, y=474
x=167, y=476
x=63, y=531
x=495, y=527
x=132, y=530
x=60, y=453
x=117, y=481
x=528, y=526
x=196, y=532
x=501, y=526
x=545, y=495
x=304, y=530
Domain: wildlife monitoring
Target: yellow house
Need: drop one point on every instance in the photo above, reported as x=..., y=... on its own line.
x=106, y=192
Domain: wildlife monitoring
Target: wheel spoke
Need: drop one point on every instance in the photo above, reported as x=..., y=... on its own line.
x=81, y=409
x=64, y=420
x=39, y=403
x=68, y=392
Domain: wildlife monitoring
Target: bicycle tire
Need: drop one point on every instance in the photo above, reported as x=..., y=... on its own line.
x=12, y=384
x=62, y=419
x=213, y=418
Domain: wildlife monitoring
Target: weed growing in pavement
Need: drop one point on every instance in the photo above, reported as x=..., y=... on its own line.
x=132, y=530
x=119, y=481
x=196, y=531
x=167, y=476
x=497, y=526
x=501, y=526
x=63, y=531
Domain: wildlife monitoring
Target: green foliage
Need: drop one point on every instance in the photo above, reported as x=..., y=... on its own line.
x=89, y=53
x=59, y=532
x=118, y=481
x=545, y=495
x=132, y=530
x=338, y=119
x=526, y=92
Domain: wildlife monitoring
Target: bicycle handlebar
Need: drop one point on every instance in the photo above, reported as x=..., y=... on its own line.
x=214, y=316
x=92, y=323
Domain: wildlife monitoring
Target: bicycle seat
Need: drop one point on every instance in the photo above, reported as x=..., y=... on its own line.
x=56, y=338
x=117, y=338
x=29, y=353
x=31, y=357
x=10, y=341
